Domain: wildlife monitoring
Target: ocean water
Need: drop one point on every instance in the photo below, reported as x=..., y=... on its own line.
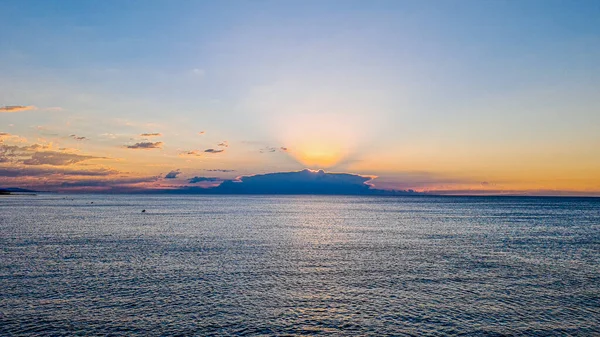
x=298, y=265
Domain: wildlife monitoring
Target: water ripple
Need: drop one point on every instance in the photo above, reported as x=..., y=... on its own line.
x=299, y=266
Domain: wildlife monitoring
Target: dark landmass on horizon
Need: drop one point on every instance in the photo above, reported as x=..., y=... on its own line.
x=13, y=190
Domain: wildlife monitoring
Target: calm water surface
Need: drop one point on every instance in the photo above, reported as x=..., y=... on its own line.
x=249, y=265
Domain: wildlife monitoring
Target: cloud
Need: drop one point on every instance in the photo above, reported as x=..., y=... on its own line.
x=213, y=151
x=5, y=136
x=78, y=137
x=268, y=149
x=44, y=178
x=223, y=144
x=201, y=133
x=16, y=108
x=195, y=180
x=16, y=152
x=218, y=170
x=154, y=134
x=38, y=171
x=113, y=183
x=35, y=147
x=56, y=158
x=146, y=145
x=192, y=153
x=40, y=154
x=172, y=174
x=301, y=182
x=271, y=149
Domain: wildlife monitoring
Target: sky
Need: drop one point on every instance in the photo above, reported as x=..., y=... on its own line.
x=453, y=97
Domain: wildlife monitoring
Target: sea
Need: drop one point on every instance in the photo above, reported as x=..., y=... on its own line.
x=96, y=265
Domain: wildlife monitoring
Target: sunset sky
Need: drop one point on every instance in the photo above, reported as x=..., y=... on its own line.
x=461, y=97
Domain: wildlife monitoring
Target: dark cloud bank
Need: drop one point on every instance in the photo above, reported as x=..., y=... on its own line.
x=173, y=174
x=196, y=180
x=301, y=182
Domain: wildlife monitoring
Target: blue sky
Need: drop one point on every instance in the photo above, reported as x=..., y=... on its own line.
x=454, y=92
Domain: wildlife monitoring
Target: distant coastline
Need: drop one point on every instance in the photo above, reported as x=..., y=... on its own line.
x=15, y=191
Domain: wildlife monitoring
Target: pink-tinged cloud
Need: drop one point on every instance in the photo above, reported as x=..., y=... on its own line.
x=146, y=145
x=16, y=108
x=153, y=134
x=201, y=133
x=24, y=172
x=17, y=154
x=56, y=158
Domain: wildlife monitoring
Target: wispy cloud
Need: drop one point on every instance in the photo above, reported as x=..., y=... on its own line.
x=112, y=183
x=154, y=134
x=78, y=137
x=271, y=149
x=268, y=149
x=192, y=153
x=13, y=172
x=213, y=151
x=201, y=133
x=223, y=144
x=16, y=108
x=56, y=158
x=218, y=170
x=146, y=145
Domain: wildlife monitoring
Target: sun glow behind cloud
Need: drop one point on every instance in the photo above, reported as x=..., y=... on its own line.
x=319, y=124
x=319, y=140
